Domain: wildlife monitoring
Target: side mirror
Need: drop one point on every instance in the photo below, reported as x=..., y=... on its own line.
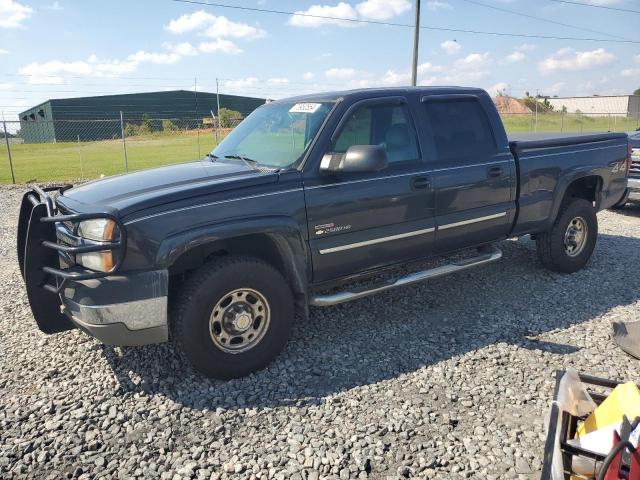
x=357, y=159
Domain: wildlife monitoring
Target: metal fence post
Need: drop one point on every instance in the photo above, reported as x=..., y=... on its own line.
x=6, y=139
x=81, y=162
x=562, y=121
x=215, y=127
x=124, y=143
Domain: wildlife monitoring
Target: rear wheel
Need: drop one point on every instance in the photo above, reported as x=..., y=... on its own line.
x=568, y=245
x=233, y=317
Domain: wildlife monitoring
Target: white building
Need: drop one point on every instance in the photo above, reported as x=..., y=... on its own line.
x=618, y=106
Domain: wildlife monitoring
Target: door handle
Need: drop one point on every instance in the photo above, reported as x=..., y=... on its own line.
x=418, y=183
x=495, y=172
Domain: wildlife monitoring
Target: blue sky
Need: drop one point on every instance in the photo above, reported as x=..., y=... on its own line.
x=67, y=48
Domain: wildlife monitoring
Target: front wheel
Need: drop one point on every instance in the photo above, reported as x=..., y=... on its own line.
x=568, y=245
x=233, y=317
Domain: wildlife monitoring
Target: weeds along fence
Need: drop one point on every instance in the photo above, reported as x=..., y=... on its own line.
x=72, y=150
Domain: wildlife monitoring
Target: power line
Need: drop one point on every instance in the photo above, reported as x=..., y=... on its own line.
x=605, y=7
x=393, y=24
x=541, y=19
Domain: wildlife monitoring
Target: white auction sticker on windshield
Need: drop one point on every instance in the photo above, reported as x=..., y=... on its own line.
x=305, y=108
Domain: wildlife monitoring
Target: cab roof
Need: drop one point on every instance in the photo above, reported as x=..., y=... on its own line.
x=364, y=93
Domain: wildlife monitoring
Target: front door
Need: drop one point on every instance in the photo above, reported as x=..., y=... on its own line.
x=361, y=221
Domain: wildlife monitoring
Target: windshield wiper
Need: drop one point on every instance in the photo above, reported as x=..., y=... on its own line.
x=249, y=161
x=211, y=157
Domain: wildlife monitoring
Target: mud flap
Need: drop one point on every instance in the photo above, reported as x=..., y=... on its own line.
x=45, y=305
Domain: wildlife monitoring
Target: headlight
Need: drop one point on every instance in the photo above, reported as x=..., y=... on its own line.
x=99, y=229
x=100, y=261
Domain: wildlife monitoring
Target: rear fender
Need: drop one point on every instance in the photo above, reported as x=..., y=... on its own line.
x=561, y=190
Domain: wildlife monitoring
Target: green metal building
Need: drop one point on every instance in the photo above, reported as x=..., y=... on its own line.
x=98, y=118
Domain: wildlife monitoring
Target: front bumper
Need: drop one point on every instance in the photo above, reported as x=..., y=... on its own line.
x=117, y=308
x=120, y=310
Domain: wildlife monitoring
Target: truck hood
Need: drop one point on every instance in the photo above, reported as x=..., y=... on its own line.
x=126, y=194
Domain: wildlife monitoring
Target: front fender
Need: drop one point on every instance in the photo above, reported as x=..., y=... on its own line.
x=285, y=232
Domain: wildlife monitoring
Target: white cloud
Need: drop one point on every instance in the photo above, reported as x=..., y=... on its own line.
x=158, y=58
x=213, y=26
x=382, y=9
x=223, y=27
x=278, y=81
x=436, y=5
x=497, y=88
x=241, y=84
x=525, y=47
x=376, y=10
x=220, y=45
x=342, y=10
x=474, y=60
x=12, y=13
x=191, y=22
x=3, y=51
x=308, y=76
x=515, y=57
x=567, y=59
x=183, y=49
x=340, y=73
x=54, y=6
x=451, y=47
x=630, y=72
x=555, y=89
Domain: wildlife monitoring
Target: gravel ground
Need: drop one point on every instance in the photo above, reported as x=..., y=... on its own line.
x=447, y=379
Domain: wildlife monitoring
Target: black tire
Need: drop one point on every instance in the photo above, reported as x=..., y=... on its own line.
x=622, y=202
x=551, y=245
x=213, y=283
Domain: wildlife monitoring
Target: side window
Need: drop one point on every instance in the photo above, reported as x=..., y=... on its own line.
x=385, y=125
x=461, y=129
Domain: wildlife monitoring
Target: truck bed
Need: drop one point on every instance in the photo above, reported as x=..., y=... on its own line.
x=547, y=163
x=523, y=141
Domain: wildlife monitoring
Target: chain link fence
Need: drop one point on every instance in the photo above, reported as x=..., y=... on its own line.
x=71, y=150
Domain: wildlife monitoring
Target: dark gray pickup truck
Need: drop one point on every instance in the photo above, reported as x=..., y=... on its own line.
x=305, y=196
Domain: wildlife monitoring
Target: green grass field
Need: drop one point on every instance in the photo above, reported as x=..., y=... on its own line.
x=70, y=161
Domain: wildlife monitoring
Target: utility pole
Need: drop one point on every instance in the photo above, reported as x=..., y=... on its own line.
x=416, y=42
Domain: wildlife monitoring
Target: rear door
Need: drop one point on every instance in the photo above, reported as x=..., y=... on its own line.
x=360, y=221
x=473, y=173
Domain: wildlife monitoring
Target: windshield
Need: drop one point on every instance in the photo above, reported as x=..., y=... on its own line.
x=276, y=135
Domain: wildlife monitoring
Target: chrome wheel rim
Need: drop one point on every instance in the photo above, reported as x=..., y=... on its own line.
x=575, y=238
x=239, y=320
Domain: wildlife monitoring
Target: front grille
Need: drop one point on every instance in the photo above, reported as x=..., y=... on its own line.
x=634, y=171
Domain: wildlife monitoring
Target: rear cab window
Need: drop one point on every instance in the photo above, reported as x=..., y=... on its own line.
x=461, y=129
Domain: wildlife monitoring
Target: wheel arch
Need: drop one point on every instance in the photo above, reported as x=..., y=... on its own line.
x=585, y=185
x=276, y=240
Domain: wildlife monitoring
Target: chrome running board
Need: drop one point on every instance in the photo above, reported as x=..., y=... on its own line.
x=493, y=254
